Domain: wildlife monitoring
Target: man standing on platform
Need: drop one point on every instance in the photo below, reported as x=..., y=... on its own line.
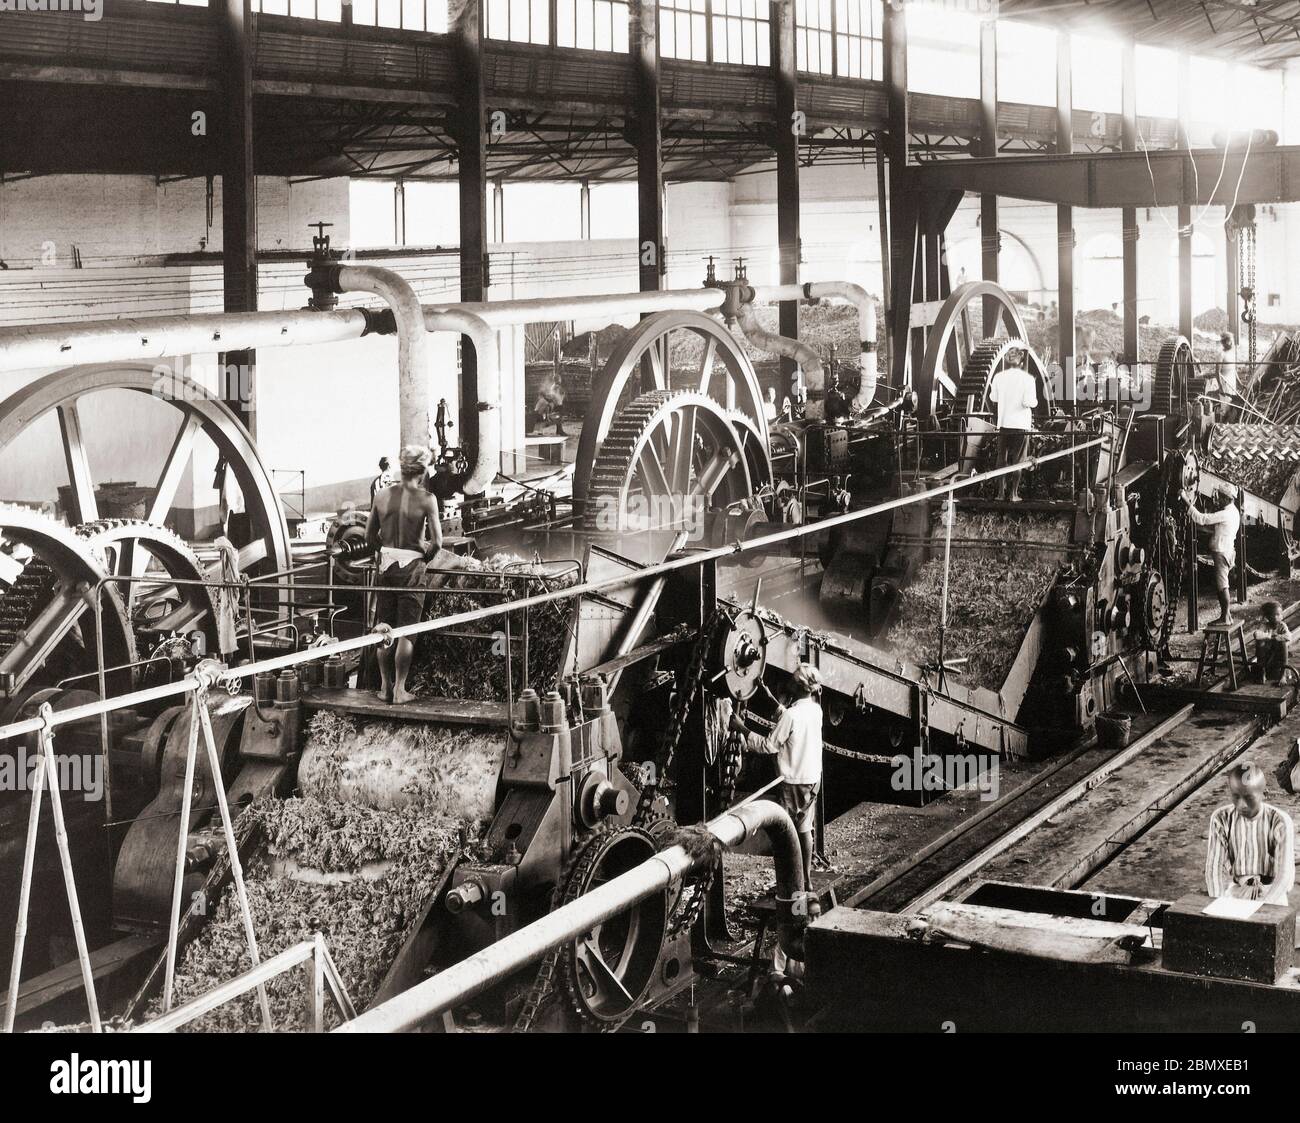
x=1225, y=520
x=1015, y=394
x=399, y=519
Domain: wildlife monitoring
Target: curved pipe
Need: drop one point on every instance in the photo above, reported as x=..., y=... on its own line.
x=861, y=300
x=412, y=343
x=814, y=374
x=487, y=453
x=483, y=970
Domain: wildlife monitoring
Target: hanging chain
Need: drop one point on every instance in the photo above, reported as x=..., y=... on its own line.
x=686, y=696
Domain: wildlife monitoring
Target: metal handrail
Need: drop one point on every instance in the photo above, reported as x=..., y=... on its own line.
x=324, y=971
x=231, y=675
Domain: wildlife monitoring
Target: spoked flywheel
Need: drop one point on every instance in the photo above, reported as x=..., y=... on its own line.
x=606, y=972
x=670, y=456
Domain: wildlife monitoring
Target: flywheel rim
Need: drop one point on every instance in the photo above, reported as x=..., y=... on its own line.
x=201, y=409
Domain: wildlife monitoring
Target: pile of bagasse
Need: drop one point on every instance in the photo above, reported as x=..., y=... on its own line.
x=995, y=585
x=385, y=807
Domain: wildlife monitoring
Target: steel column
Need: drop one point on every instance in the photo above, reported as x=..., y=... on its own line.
x=465, y=19
x=1184, y=212
x=990, y=237
x=1065, y=220
x=238, y=198
x=649, y=144
x=903, y=219
x=1128, y=215
x=789, y=128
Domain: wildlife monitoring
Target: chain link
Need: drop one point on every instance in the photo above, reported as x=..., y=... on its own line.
x=677, y=722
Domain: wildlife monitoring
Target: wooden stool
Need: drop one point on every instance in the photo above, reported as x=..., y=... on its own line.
x=1210, y=650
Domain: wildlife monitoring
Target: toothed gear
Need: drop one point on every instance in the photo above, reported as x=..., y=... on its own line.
x=615, y=466
x=169, y=550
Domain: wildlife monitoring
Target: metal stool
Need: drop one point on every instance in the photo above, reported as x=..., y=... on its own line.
x=1210, y=650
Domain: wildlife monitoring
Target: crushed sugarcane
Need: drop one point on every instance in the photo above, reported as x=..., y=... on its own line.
x=993, y=594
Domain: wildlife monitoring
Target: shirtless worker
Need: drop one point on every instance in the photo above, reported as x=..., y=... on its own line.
x=399, y=517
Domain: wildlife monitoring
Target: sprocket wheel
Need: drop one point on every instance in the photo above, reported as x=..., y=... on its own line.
x=606, y=972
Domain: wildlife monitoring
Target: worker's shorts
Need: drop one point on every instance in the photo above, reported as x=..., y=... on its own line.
x=1222, y=567
x=1012, y=445
x=398, y=609
x=800, y=800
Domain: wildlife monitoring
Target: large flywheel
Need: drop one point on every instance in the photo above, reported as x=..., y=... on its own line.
x=953, y=340
x=73, y=395
x=666, y=351
x=670, y=457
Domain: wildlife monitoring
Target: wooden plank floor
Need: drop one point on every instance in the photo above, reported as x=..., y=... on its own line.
x=1066, y=849
x=446, y=710
x=1169, y=860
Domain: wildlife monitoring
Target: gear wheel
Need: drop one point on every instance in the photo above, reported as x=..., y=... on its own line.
x=155, y=607
x=1174, y=381
x=618, y=465
x=605, y=973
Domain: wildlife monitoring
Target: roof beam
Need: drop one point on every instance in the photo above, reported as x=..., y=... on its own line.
x=1164, y=178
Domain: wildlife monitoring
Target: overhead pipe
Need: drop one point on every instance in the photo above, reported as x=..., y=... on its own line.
x=512, y=313
x=485, y=969
x=857, y=296
x=157, y=337
x=33, y=346
x=412, y=342
x=487, y=452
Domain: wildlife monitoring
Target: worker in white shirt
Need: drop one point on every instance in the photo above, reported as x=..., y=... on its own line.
x=1015, y=393
x=1251, y=851
x=1227, y=374
x=797, y=744
x=1226, y=522
x=770, y=408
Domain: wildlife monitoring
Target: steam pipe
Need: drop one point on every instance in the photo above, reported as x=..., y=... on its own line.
x=511, y=313
x=156, y=337
x=808, y=359
x=487, y=453
x=412, y=343
x=860, y=299
x=483, y=970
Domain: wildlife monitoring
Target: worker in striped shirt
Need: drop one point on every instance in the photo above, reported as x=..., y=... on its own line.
x=1251, y=853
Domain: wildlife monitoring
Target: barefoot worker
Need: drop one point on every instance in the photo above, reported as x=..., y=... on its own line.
x=1225, y=522
x=404, y=530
